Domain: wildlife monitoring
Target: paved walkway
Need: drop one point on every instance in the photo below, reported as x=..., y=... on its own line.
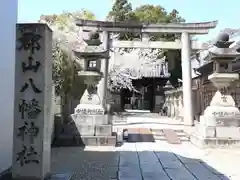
x=148, y=161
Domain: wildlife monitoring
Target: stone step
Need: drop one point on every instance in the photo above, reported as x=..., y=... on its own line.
x=176, y=130
x=65, y=140
x=146, y=135
x=163, y=138
x=133, y=135
x=184, y=139
x=160, y=136
x=171, y=136
x=140, y=135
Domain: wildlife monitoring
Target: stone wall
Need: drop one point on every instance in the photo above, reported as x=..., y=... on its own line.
x=174, y=103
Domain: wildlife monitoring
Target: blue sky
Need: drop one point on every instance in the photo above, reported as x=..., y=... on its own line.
x=226, y=12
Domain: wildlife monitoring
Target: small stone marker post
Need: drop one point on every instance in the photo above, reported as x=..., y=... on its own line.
x=32, y=110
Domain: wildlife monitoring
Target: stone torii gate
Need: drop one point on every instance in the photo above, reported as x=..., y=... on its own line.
x=185, y=44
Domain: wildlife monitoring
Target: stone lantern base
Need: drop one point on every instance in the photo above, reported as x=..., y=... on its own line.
x=219, y=126
x=90, y=125
x=93, y=126
x=220, y=123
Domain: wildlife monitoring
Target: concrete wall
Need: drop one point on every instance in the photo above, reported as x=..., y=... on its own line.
x=8, y=19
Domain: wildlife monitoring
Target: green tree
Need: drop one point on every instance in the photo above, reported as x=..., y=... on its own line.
x=122, y=12
x=150, y=14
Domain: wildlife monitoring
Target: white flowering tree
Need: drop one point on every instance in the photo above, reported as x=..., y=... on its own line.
x=126, y=66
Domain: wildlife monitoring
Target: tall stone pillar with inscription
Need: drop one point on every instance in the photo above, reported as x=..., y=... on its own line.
x=89, y=116
x=33, y=91
x=221, y=119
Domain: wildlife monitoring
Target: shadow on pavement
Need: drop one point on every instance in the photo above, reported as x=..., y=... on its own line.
x=121, y=165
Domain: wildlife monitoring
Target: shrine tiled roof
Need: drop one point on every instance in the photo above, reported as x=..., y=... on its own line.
x=137, y=66
x=154, y=71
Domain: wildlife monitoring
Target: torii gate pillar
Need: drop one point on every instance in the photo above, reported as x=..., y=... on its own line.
x=187, y=79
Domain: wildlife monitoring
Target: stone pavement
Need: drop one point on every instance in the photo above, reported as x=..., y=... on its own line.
x=147, y=161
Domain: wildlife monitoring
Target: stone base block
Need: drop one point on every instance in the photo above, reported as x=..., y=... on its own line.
x=103, y=130
x=91, y=119
x=206, y=137
x=220, y=116
x=85, y=130
x=204, y=142
x=218, y=131
x=205, y=131
x=98, y=141
x=228, y=132
x=86, y=141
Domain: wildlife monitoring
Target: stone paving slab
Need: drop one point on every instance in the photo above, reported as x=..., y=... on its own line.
x=201, y=172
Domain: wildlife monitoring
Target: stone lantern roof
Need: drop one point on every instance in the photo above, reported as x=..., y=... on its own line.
x=92, y=48
x=207, y=66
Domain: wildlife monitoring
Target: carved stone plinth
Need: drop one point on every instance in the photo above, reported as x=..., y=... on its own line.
x=90, y=126
x=219, y=126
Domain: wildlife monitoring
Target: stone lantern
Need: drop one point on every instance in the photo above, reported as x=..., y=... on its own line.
x=221, y=119
x=222, y=57
x=222, y=107
x=89, y=116
x=92, y=55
